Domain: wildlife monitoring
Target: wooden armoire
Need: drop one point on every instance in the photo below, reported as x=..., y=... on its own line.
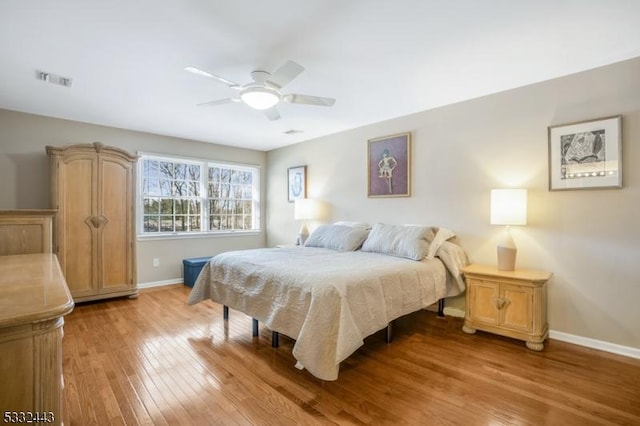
x=93, y=189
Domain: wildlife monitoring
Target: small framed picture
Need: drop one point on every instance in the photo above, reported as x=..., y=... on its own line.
x=586, y=154
x=389, y=166
x=297, y=182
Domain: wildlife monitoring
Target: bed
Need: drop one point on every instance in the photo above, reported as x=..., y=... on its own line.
x=337, y=289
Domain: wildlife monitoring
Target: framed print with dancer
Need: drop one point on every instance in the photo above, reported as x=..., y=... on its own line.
x=389, y=166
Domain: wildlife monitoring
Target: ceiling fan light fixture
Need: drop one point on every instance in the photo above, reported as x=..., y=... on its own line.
x=259, y=97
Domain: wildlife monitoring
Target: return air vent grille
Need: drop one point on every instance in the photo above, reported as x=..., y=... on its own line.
x=53, y=78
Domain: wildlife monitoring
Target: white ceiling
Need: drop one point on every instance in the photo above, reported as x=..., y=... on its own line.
x=379, y=58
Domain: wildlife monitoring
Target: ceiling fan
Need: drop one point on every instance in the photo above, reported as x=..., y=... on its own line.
x=263, y=93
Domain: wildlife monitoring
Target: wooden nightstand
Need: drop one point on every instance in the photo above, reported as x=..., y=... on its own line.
x=509, y=303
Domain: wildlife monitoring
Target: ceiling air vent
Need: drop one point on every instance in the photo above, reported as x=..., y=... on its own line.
x=293, y=132
x=53, y=78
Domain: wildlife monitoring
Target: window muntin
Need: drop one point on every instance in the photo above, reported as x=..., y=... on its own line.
x=190, y=196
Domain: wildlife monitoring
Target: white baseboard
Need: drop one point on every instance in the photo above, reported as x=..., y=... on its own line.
x=571, y=338
x=595, y=344
x=160, y=283
x=453, y=312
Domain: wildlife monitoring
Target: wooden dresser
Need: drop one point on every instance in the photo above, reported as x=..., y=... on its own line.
x=25, y=231
x=34, y=298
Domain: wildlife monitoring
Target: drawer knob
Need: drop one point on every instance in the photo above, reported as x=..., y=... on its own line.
x=500, y=302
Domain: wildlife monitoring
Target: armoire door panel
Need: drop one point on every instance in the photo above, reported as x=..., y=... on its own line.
x=115, y=193
x=79, y=235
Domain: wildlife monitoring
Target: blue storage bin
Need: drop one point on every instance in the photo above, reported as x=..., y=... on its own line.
x=192, y=268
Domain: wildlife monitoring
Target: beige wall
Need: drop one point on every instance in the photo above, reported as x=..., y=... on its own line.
x=589, y=239
x=24, y=173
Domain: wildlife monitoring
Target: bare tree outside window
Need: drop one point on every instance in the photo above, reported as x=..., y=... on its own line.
x=231, y=194
x=173, y=201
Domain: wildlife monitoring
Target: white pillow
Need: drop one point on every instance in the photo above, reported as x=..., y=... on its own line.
x=431, y=230
x=454, y=258
x=337, y=237
x=443, y=235
x=354, y=224
x=401, y=241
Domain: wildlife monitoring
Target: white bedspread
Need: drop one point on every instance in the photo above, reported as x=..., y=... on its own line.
x=327, y=300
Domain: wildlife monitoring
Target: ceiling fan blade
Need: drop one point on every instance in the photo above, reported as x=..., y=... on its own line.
x=220, y=101
x=272, y=113
x=198, y=71
x=308, y=100
x=285, y=74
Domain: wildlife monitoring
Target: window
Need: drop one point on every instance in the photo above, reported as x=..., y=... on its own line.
x=197, y=196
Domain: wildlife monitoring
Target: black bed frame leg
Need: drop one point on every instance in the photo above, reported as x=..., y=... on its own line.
x=225, y=312
x=441, y=307
x=255, y=327
x=275, y=339
x=388, y=333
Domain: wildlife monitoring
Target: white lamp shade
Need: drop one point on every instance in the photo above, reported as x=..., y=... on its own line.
x=306, y=209
x=508, y=206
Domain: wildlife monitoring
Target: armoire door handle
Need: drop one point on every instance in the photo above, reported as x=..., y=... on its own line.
x=98, y=221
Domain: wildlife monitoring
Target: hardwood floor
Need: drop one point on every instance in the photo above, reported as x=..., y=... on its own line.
x=155, y=360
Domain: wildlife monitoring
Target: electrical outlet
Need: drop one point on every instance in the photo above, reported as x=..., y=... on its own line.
x=156, y=261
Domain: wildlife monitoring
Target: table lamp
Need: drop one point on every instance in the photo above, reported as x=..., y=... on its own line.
x=508, y=207
x=305, y=209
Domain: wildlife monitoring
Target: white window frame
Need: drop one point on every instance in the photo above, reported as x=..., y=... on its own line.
x=204, y=164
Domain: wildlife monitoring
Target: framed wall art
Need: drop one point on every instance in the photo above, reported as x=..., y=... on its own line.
x=296, y=183
x=586, y=154
x=389, y=166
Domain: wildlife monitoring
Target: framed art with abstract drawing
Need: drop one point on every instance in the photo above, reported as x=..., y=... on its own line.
x=586, y=154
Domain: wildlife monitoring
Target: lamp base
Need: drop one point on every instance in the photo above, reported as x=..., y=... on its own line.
x=303, y=234
x=507, y=258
